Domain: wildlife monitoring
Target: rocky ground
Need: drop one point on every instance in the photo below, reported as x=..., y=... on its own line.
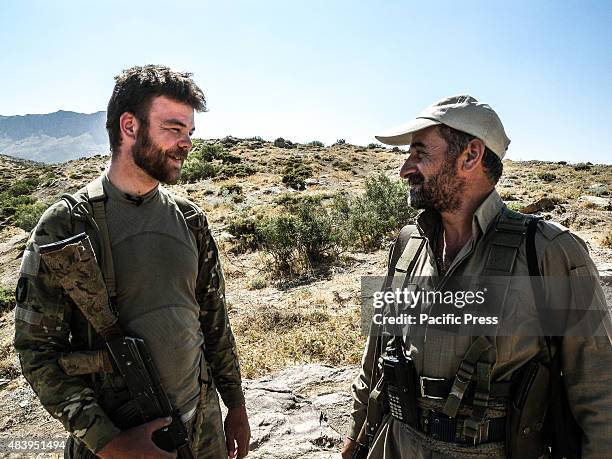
x=298, y=339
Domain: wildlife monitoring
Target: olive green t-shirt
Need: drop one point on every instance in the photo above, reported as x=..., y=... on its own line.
x=155, y=257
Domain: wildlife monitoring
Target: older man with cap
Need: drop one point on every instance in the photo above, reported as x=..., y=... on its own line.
x=422, y=394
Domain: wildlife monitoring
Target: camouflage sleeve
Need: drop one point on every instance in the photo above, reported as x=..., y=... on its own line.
x=587, y=360
x=219, y=344
x=42, y=317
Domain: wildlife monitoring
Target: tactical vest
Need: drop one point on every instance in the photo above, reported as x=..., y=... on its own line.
x=87, y=210
x=508, y=235
x=562, y=432
x=87, y=214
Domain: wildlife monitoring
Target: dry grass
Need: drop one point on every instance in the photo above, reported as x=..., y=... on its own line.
x=538, y=178
x=8, y=367
x=606, y=240
x=271, y=339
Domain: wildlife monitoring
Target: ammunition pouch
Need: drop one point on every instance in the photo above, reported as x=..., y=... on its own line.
x=86, y=362
x=526, y=413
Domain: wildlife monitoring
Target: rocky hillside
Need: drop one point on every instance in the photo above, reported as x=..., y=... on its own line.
x=53, y=137
x=297, y=325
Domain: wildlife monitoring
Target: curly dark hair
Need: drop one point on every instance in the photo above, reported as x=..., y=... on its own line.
x=457, y=142
x=136, y=87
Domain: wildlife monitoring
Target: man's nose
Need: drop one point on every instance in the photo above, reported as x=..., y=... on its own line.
x=185, y=142
x=408, y=168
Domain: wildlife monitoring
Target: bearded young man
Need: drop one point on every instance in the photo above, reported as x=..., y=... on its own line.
x=162, y=272
x=475, y=396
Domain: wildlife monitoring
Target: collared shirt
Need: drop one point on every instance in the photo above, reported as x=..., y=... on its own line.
x=587, y=359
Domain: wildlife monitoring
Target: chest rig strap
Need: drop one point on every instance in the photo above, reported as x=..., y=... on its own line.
x=97, y=199
x=464, y=376
x=505, y=242
x=402, y=260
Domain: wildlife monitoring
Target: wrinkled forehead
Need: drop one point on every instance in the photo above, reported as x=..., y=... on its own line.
x=164, y=109
x=428, y=138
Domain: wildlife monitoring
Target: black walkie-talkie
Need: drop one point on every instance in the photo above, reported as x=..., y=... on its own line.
x=400, y=377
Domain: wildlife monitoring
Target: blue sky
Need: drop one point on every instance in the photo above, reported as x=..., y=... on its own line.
x=324, y=70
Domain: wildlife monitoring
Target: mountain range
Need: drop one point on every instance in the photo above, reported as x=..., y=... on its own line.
x=54, y=137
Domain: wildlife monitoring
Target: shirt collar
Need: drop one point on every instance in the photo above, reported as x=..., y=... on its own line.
x=429, y=220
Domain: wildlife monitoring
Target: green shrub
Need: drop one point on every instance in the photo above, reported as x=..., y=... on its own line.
x=547, y=176
x=279, y=240
x=208, y=152
x=369, y=218
x=316, y=143
x=373, y=145
x=295, y=174
x=236, y=170
x=318, y=236
x=196, y=169
x=293, y=200
x=340, y=142
x=582, y=167
x=257, y=283
x=24, y=186
x=302, y=238
x=10, y=203
x=7, y=299
x=342, y=165
x=245, y=230
x=204, y=162
x=27, y=215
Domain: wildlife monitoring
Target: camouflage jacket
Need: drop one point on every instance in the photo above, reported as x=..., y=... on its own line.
x=48, y=325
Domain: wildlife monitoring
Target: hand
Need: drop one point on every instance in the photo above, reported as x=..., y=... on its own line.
x=237, y=432
x=136, y=443
x=348, y=448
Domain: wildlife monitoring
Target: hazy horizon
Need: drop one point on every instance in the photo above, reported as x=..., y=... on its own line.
x=271, y=139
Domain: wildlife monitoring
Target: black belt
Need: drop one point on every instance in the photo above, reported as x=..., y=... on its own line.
x=439, y=388
x=441, y=427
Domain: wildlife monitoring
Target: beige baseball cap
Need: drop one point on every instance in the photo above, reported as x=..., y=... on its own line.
x=461, y=112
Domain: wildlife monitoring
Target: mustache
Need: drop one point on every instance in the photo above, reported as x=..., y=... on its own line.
x=180, y=153
x=416, y=179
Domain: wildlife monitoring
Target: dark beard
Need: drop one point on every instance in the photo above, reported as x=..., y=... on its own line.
x=442, y=191
x=154, y=160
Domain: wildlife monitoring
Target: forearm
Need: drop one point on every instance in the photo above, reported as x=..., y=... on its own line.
x=67, y=398
x=220, y=346
x=221, y=354
x=360, y=389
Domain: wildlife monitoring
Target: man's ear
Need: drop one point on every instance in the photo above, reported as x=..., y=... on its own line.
x=472, y=155
x=128, y=125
